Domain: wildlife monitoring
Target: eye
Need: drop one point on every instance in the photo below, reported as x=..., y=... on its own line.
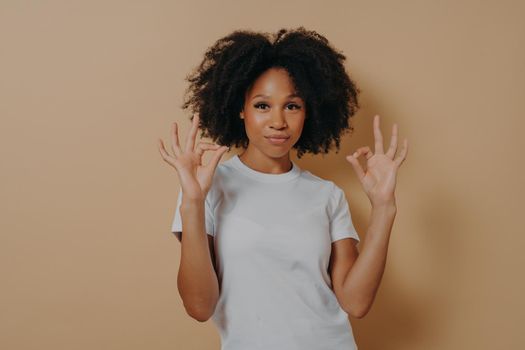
x=260, y=104
x=296, y=105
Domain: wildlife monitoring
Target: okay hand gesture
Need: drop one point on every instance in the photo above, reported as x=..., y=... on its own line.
x=195, y=178
x=379, y=178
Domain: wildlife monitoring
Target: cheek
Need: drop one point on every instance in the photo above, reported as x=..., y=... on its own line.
x=253, y=126
x=297, y=125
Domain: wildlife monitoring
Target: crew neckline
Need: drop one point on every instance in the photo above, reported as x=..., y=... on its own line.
x=265, y=177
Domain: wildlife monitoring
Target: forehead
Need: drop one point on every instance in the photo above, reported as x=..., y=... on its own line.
x=274, y=82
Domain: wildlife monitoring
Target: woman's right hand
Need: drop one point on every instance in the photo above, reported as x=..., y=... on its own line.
x=195, y=178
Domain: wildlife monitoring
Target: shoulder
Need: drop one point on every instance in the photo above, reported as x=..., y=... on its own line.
x=224, y=168
x=333, y=189
x=321, y=183
x=224, y=172
x=333, y=192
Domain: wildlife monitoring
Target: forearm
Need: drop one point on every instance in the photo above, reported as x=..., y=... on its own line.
x=197, y=281
x=362, y=281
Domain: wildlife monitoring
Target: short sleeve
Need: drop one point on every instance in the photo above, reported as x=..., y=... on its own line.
x=341, y=225
x=176, y=226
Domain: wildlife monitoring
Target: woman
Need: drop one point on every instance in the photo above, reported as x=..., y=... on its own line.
x=269, y=249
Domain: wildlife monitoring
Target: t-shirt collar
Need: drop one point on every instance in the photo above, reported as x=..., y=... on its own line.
x=265, y=177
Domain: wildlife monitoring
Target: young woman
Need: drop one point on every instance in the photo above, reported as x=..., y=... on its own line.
x=269, y=249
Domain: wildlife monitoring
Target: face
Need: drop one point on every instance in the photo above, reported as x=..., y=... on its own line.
x=272, y=108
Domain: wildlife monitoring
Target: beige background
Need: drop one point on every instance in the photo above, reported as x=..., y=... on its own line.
x=87, y=260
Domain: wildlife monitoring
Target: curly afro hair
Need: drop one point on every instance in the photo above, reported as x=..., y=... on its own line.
x=230, y=67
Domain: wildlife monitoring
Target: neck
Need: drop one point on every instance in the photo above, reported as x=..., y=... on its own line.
x=265, y=164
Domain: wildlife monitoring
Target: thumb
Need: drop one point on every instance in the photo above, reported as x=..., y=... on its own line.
x=217, y=157
x=352, y=159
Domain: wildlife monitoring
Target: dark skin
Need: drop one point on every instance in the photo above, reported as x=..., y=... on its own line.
x=355, y=275
x=271, y=108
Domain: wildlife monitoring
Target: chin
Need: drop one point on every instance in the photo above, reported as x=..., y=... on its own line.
x=278, y=153
x=273, y=151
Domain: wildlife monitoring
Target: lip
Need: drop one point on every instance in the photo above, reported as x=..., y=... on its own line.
x=277, y=136
x=277, y=140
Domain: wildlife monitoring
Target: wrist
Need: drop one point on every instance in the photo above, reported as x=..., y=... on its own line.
x=389, y=207
x=191, y=203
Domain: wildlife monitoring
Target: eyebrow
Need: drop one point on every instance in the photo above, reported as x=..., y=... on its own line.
x=261, y=95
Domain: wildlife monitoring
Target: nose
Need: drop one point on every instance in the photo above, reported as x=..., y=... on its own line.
x=278, y=119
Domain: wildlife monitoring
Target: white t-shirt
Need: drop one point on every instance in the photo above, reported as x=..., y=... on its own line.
x=272, y=238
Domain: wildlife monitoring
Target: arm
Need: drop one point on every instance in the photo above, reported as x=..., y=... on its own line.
x=196, y=281
x=356, y=276
x=361, y=276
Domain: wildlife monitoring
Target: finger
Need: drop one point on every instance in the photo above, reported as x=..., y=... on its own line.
x=378, y=136
x=393, y=143
x=355, y=164
x=401, y=157
x=366, y=151
x=175, y=146
x=165, y=155
x=205, y=146
x=214, y=161
x=190, y=139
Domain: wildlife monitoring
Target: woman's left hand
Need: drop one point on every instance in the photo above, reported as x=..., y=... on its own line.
x=379, y=179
